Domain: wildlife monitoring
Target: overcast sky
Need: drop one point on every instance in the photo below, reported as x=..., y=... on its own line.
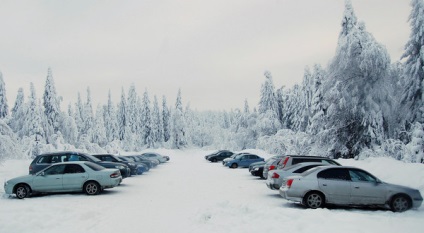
x=216, y=51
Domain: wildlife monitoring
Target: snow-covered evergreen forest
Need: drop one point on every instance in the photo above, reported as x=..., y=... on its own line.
x=360, y=104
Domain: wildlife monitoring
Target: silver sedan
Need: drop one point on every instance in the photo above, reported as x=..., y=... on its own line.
x=76, y=176
x=347, y=186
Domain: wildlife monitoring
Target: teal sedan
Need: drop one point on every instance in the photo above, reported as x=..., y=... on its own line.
x=78, y=176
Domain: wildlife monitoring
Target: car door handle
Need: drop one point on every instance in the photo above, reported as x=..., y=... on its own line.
x=324, y=184
x=57, y=178
x=356, y=187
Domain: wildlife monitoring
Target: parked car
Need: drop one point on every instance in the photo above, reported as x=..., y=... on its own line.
x=218, y=155
x=256, y=169
x=243, y=160
x=44, y=160
x=152, y=155
x=136, y=169
x=343, y=185
x=276, y=177
x=270, y=165
x=290, y=160
x=78, y=176
x=232, y=157
x=138, y=159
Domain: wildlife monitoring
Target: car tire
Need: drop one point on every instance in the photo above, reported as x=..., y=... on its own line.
x=22, y=191
x=234, y=165
x=214, y=160
x=400, y=203
x=92, y=188
x=314, y=200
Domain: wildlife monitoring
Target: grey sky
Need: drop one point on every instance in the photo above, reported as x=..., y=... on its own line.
x=215, y=51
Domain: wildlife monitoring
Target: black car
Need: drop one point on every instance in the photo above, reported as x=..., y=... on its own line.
x=136, y=169
x=219, y=155
x=257, y=169
x=44, y=160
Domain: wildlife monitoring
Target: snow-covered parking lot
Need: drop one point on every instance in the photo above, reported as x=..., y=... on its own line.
x=190, y=194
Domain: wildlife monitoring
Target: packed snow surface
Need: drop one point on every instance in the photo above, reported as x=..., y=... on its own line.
x=190, y=194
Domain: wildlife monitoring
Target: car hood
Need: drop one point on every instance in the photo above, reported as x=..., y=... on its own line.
x=26, y=178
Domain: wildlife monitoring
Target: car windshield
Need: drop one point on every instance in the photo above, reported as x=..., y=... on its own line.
x=94, y=166
x=94, y=159
x=238, y=156
x=118, y=158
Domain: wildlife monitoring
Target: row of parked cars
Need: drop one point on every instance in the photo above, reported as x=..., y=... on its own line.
x=315, y=181
x=71, y=171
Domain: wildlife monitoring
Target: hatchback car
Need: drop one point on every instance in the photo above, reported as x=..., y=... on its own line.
x=242, y=160
x=85, y=177
x=340, y=185
x=290, y=160
x=136, y=169
x=44, y=160
x=151, y=155
x=219, y=155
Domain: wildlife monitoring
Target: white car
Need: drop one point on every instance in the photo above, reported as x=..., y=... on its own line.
x=276, y=177
x=78, y=176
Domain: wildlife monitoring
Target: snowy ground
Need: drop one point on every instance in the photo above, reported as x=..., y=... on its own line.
x=189, y=194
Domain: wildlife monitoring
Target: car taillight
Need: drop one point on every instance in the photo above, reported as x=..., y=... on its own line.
x=272, y=167
x=115, y=174
x=275, y=175
x=30, y=168
x=289, y=183
x=285, y=161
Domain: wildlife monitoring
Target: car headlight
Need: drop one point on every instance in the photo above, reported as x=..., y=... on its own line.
x=119, y=167
x=256, y=169
x=132, y=164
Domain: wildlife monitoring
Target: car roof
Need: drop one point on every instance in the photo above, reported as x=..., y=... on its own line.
x=61, y=153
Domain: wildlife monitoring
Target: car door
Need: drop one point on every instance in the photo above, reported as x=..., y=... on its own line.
x=366, y=189
x=50, y=180
x=335, y=184
x=74, y=177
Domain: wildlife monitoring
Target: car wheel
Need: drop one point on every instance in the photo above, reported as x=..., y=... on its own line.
x=234, y=165
x=91, y=188
x=214, y=160
x=400, y=203
x=22, y=191
x=314, y=200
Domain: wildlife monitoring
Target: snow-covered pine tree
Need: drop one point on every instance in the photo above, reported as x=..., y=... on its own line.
x=178, y=133
x=165, y=120
x=33, y=124
x=99, y=131
x=414, y=54
x=269, y=122
x=88, y=116
x=133, y=110
x=355, y=75
x=146, y=130
x=79, y=116
x=111, y=123
x=69, y=128
x=122, y=117
x=4, y=108
x=317, y=103
x=18, y=110
x=51, y=102
x=157, y=127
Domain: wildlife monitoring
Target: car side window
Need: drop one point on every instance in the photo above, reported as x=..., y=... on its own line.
x=334, y=174
x=73, y=168
x=44, y=159
x=55, y=170
x=361, y=176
